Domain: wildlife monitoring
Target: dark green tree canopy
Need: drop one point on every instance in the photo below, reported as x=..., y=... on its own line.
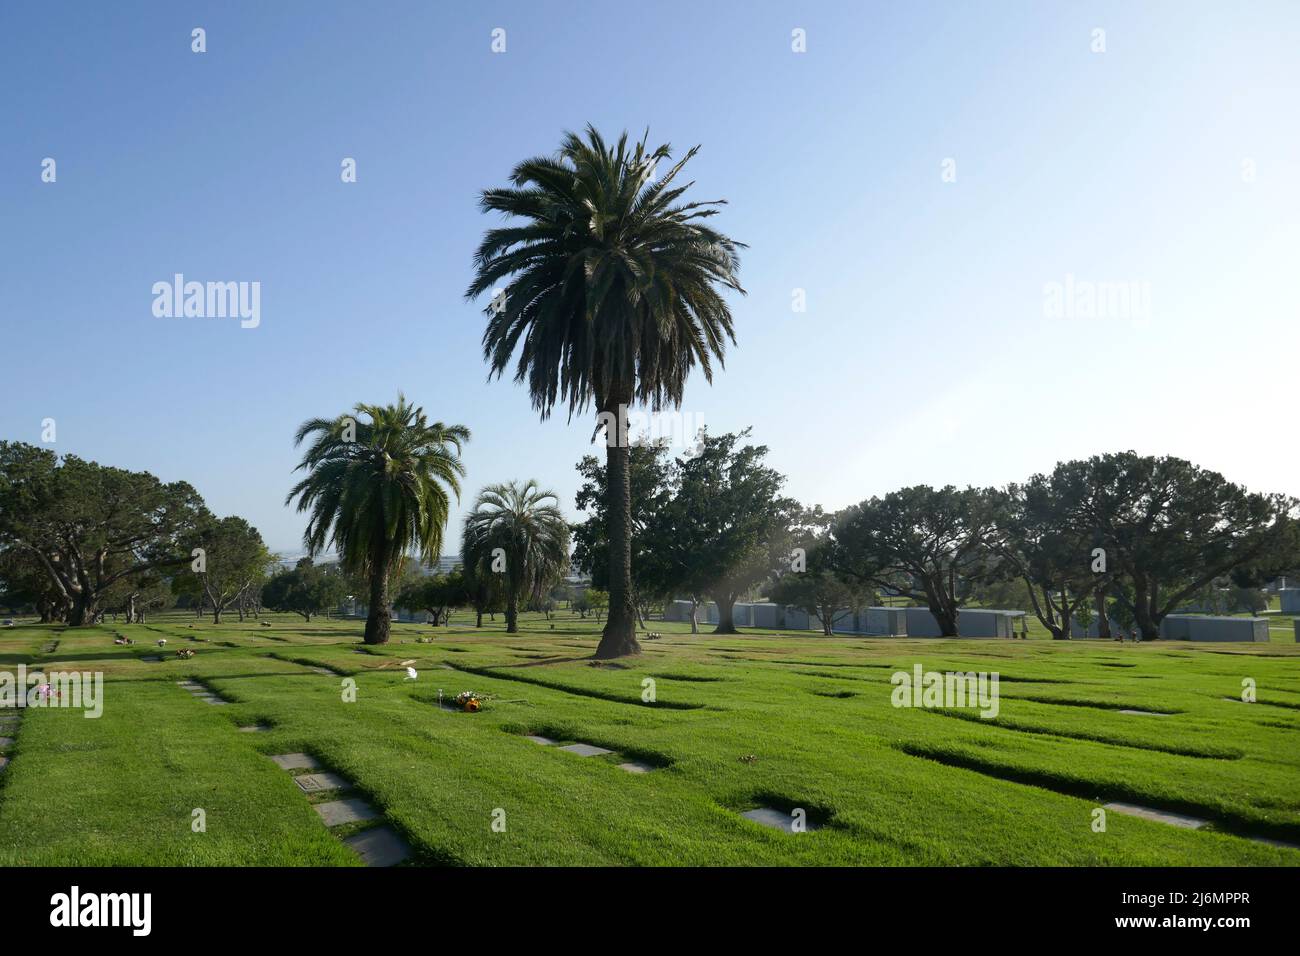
x=307, y=589
x=234, y=559
x=723, y=527
x=436, y=593
x=1170, y=527
x=924, y=543
x=90, y=525
x=810, y=580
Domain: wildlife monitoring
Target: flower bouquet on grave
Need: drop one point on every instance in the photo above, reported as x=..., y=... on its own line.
x=185, y=653
x=469, y=702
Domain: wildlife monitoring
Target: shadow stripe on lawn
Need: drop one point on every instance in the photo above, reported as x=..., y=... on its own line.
x=1094, y=704
x=577, y=691
x=1225, y=753
x=1090, y=790
x=308, y=662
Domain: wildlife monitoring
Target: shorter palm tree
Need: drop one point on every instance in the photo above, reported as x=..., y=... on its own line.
x=377, y=490
x=517, y=532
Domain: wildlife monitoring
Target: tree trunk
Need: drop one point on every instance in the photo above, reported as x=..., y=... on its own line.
x=946, y=618
x=726, y=621
x=478, y=618
x=695, y=621
x=82, y=611
x=512, y=614
x=1103, y=622
x=1142, y=608
x=619, y=636
x=216, y=614
x=1061, y=631
x=378, y=617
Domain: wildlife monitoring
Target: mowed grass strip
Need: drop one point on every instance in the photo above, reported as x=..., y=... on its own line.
x=891, y=786
x=121, y=790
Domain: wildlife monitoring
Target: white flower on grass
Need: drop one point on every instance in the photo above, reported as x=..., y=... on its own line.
x=411, y=674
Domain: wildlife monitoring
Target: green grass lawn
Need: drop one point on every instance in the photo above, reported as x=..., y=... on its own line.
x=891, y=786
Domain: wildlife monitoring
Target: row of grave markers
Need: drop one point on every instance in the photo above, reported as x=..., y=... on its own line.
x=377, y=845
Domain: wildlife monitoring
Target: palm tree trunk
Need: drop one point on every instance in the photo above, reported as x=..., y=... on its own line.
x=378, y=617
x=512, y=614
x=619, y=635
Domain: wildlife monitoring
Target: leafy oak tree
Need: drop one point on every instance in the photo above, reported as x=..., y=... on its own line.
x=306, y=589
x=811, y=581
x=723, y=529
x=232, y=560
x=926, y=544
x=1169, y=528
x=88, y=526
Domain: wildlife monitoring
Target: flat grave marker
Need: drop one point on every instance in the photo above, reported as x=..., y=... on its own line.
x=1158, y=816
x=320, y=782
x=296, y=761
x=379, y=846
x=586, y=750
x=768, y=817
x=338, y=812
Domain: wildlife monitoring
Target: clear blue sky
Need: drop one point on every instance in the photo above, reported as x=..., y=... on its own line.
x=925, y=353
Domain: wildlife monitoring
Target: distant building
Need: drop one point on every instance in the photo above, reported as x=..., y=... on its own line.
x=445, y=564
x=1200, y=627
x=870, y=621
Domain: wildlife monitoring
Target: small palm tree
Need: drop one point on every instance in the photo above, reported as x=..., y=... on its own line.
x=378, y=490
x=611, y=295
x=518, y=533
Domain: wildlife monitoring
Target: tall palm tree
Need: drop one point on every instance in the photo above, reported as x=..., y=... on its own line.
x=517, y=531
x=611, y=294
x=377, y=490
